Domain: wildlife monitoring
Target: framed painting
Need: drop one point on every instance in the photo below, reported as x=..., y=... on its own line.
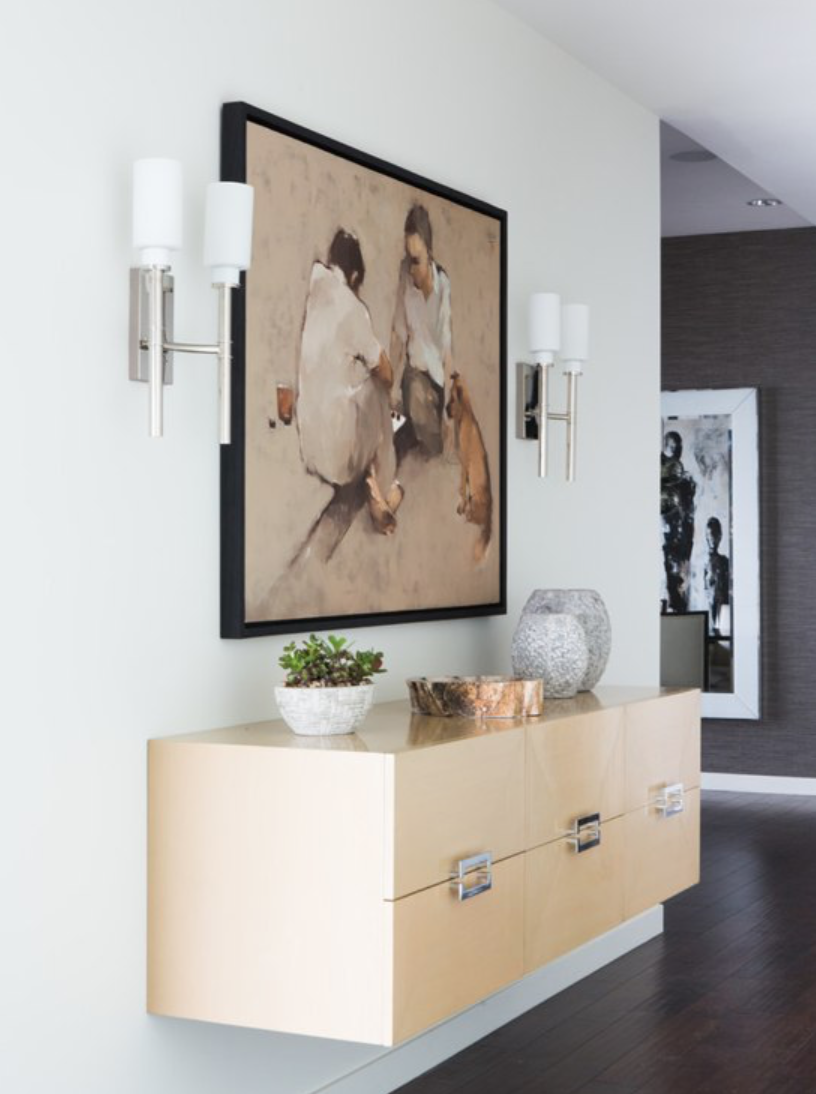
x=366, y=479
x=709, y=513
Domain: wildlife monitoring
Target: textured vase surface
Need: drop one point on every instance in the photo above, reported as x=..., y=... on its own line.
x=551, y=646
x=590, y=611
x=323, y=712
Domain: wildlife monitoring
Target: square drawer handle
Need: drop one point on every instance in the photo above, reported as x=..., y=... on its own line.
x=478, y=869
x=670, y=800
x=586, y=833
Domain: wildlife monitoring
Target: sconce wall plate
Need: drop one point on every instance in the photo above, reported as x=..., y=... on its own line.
x=139, y=358
x=527, y=382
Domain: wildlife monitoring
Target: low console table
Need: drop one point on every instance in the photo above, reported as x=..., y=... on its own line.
x=366, y=887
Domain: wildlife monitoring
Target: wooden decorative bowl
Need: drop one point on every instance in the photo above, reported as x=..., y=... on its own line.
x=476, y=696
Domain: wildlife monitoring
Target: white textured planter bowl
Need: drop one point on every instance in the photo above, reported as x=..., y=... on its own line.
x=322, y=712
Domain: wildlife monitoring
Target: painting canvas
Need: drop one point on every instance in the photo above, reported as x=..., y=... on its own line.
x=366, y=481
x=709, y=535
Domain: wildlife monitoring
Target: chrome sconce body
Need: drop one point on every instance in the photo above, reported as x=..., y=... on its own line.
x=152, y=346
x=548, y=323
x=157, y=204
x=533, y=412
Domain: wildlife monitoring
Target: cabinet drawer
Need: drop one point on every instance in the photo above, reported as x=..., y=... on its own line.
x=662, y=746
x=449, y=954
x=570, y=898
x=662, y=853
x=574, y=767
x=449, y=802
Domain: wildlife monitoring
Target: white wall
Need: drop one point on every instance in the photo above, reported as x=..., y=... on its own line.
x=109, y=554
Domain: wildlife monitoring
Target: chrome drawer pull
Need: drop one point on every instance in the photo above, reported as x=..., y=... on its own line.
x=671, y=800
x=586, y=833
x=479, y=870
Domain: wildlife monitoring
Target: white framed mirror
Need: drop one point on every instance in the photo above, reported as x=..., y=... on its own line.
x=709, y=508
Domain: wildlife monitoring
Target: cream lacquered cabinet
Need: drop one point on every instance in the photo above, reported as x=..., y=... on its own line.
x=313, y=885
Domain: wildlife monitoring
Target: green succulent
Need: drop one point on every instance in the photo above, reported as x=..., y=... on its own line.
x=318, y=663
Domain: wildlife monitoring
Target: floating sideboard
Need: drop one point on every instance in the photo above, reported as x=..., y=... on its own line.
x=366, y=887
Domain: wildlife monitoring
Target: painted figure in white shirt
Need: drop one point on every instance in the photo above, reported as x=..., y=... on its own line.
x=344, y=386
x=421, y=334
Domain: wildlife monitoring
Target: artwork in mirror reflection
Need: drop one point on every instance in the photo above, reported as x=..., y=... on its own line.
x=697, y=533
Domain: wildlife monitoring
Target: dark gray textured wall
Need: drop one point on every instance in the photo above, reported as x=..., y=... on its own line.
x=739, y=310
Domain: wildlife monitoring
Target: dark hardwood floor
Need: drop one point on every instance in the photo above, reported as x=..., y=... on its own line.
x=724, y=1001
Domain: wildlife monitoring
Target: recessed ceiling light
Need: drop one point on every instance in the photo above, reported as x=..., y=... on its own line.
x=763, y=203
x=694, y=155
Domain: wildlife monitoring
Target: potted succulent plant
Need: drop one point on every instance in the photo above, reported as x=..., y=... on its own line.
x=328, y=687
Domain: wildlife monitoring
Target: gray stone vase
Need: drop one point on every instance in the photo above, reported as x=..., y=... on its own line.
x=551, y=647
x=590, y=611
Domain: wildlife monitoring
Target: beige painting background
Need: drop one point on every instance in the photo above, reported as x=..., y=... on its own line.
x=302, y=196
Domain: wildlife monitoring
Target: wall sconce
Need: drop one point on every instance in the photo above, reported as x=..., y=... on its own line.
x=553, y=330
x=157, y=218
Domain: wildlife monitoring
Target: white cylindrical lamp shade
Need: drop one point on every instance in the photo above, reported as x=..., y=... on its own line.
x=574, y=336
x=228, y=231
x=157, y=210
x=545, y=326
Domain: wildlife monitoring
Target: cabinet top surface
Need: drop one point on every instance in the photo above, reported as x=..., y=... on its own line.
x=393, y=728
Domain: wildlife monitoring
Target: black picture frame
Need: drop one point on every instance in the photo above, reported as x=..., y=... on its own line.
x=243, y=618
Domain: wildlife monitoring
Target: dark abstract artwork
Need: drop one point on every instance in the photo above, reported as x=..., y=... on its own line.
x=696, y=528
x=709, y=521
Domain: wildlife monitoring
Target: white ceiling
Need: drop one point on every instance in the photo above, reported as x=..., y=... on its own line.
x=697, y=198
x=737, y=76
